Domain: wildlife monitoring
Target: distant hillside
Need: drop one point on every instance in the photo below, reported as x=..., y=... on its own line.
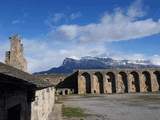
x=69, y=64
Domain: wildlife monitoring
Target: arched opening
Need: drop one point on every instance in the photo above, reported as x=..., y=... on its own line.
x=123, y=83
x=66, y=92
x=87, y=80
x=111, y=83
x=99, y=79
x=147, y=81
x=60, y=92
x=157, y=73
x=135, y=84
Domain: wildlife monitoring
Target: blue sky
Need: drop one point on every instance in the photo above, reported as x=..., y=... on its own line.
x=54, y=29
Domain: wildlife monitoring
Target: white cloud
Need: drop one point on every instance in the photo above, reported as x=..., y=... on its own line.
x=57, y=18
x=17, y=21
x=155, y=59
x=75, y=15
x=121, y=25
x=21, y=19
x=4, y=47
x=68, y=31
x=46, y=57
x=135, y=10
x=88, y=40
x=42, y=56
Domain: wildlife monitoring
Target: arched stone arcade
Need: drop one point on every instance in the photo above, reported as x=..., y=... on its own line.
x=110, y=83
x=122, y=82
x=85, y=83
x=146, y=81
x=66, y=92
x=134, y=82
x=157, y=74
x=119, y=81
x=98, y=83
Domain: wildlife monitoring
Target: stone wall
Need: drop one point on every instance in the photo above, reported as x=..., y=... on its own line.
x=43, y=104
x=70, y=82
x=64, y=91
x=54, y=79
x=114, y=81
x=30, y=109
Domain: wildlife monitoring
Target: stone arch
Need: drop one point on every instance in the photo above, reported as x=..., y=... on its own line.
x=157, y=74
x=147, y=81
x=66, y=92
x=135, y=82
x=60, y=92
x=87, y=82
x=123, y=82
x=98, y=83
x=110, y=83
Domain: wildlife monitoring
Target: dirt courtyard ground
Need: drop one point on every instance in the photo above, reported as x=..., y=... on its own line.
x=116, y=106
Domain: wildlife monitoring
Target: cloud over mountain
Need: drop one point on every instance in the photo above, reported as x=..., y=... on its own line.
x=119, y=25
x=93, y=38
x=76, y=41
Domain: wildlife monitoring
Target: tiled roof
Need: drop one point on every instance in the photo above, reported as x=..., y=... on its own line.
x=16, y=73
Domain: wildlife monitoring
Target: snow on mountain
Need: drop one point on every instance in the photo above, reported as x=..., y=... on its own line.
x=88, y=62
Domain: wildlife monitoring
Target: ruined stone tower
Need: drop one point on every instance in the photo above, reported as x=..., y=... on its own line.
x=15, y=56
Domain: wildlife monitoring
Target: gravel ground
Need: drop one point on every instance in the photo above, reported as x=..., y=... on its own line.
x=116, y=106
x=56, y=113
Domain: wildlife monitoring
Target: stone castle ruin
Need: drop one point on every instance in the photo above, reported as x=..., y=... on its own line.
x=15, y=57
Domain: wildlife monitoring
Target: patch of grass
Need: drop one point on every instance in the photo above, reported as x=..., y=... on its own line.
x=72, y=112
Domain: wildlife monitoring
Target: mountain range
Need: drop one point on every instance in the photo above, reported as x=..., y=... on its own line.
x=69, y=64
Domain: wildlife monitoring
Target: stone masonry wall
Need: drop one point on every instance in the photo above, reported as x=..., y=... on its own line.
x=119, y=81
x=55, y=79
x=43, y=104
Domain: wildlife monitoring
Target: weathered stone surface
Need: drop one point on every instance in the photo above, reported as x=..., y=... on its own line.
x=116, y=81
x=15, y=57
x=82, y=85
x=56, y=113
x=53, y=78
x=43, y=104
x=108, y=84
